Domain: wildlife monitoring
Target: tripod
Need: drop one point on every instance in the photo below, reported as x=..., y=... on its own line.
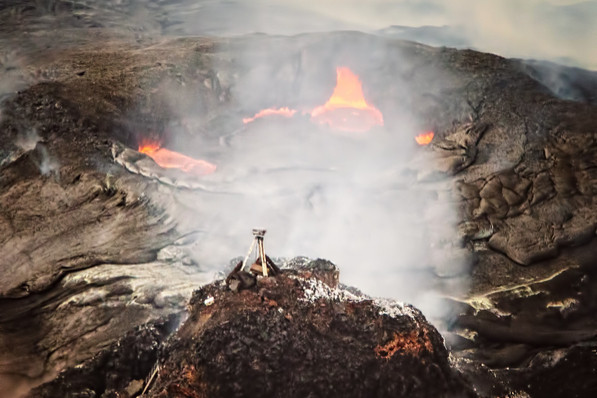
x=266, y=263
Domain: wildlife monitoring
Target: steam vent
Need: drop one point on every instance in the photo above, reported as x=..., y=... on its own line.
x=431, y=212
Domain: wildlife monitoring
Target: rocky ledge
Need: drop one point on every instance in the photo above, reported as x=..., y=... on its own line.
x=295, y=334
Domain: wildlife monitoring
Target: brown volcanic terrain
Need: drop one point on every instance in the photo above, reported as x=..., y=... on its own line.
x=296, y=333
x=89, y=250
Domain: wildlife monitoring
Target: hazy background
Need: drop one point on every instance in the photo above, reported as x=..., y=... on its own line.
x=357, y=199
x=557, y=30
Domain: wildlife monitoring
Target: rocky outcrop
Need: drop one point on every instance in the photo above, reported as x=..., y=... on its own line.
x=295, y=334
x=116, y=371
x=89, y=250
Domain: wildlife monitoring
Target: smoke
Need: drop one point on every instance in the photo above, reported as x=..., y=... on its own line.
x=353, y=199
x=559, y=31
x=28, y=140
x=12, y=73
x=556, y=30
x=565, y=82
x=47, y=164
x=356, y=199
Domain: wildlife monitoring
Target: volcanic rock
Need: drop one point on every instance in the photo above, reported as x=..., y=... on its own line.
x=294, y=335
x=120, y=368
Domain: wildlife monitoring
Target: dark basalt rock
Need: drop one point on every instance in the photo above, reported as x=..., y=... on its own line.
x=295, y=335
x=556, y=372
x=117, y=371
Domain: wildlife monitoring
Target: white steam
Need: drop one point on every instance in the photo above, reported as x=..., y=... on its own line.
x=47, y=163
x=353, y=198
x=556, y=30
x=28, y=140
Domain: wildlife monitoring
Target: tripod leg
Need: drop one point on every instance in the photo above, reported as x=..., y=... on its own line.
x=248, y=254
x=262, y=256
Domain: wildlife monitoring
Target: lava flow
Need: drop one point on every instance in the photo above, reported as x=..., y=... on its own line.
x=424, y=138
x=286, y=112
x=347, y=109
x=173, y=160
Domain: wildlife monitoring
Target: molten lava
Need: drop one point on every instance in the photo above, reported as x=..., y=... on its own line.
x=347, y=109
x=286, y=112
x=424, y=138
x=173, y=160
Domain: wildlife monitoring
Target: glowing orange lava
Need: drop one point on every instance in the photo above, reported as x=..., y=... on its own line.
x=286, y=112
x=173, y=160
x=424, y=138
x=347, y=109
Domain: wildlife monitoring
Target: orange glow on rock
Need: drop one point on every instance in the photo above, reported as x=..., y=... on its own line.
x=424, y=138
x=286, y=112
x=347, y=109
x=173, y=160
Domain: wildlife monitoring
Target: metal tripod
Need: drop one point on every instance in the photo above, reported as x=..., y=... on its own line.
x=258, y=240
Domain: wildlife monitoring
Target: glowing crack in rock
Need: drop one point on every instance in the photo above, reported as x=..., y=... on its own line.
x=347, y=109
x=424, y=138
x=285, y=111
x=173, y=160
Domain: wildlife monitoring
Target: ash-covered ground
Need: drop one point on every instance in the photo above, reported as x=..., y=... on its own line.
x=490, y=229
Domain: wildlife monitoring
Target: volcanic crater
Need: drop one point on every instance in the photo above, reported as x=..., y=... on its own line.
x=102, y=247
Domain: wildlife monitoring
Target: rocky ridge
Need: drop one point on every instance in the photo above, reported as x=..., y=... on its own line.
x=296, y=334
